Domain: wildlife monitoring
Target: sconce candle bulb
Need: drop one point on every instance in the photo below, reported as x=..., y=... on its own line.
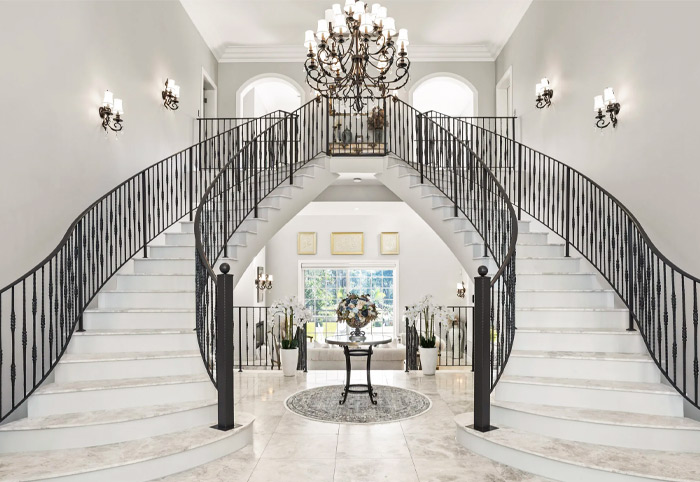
x=461, y=289
x=608, y=102
x=263, y=282
x=171, y=95
x=111, y=112
x=544, y=94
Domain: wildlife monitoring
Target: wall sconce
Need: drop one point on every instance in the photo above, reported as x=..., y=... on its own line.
x=171, y=95
x=544, y=94
x=111, y=107
x=263, y=281
x=608, y=102
x=461, y=289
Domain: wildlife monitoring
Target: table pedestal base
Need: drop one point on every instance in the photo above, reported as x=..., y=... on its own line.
x=358, y=388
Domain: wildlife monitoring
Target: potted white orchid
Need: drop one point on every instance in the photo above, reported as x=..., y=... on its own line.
x=295, y=315
x=432, y=315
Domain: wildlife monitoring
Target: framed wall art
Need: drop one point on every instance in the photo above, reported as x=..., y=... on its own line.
x=347, y=243
x=389, y=243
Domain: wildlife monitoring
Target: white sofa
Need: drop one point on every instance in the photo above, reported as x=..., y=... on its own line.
x=331, y=357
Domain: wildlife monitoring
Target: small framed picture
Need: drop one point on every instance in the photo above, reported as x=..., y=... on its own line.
x=306, y=243
x=347, y=243
x=389, y=243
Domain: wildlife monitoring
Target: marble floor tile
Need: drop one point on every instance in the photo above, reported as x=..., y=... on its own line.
x=387, y=470
x=286, y=446
x=225, y=469
x=295, y=424
x=296, y=470
x=361, y=446
x=472, y=468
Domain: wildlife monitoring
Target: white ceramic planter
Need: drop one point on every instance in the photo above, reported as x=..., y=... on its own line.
x=428, y=360
x=289, y=358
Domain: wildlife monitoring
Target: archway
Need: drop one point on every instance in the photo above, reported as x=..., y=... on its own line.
x=267, y=93
x=446, y=93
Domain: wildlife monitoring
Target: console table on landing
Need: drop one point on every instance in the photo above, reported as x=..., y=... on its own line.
x=368, y=342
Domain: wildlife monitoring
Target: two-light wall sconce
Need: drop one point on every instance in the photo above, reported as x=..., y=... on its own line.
x=544, y=94
x=461, y=289
x=171, y=95
x=263, y=281
x=608, y=102
x=111, y=112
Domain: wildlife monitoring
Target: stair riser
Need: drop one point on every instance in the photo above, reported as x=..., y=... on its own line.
x=668, y=404
x=138, y=321
x=188, y=239
x=120, y=369
x=564, y=299
x=103, y=434
x=571, y=319
x=187, y=227
x=597, y=342
x=173, y=300
x=547, y=251
x=136, y=343
x=584, y=369
x=164, y=266
x=42, y=405
x=629, y=436
x=155, y=283
x=561, y=265
x=532, y=238
x=174, y=252
x=557, y=282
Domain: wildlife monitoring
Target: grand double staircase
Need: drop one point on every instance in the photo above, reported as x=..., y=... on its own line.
x=108, y=346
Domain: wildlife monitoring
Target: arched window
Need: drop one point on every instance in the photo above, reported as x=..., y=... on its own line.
x=267, y=93
x=446, y=93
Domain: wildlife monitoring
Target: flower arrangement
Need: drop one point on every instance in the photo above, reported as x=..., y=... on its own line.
x=295, y=315
x=357, y=311
x=432, y=314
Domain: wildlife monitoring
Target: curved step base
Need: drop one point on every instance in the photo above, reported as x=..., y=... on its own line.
x=138, y=460
x=564, y=460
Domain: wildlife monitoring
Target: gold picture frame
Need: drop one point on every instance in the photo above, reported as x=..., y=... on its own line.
x=389, y=243
x=348, y=243
x=306, y=243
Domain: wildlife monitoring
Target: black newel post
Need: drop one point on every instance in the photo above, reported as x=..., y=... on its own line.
x=224, y=347
x=481, y=351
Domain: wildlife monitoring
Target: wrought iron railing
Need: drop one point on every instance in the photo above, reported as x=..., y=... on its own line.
x=662, y=298
x=40, y=311
x=269, y=159
x=459, y=173
x=454, y=342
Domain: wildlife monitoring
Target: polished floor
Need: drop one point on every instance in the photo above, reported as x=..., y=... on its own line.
x=289, y=448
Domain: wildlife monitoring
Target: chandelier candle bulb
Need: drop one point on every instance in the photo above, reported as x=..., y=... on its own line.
x=375, y=8
x=389, y=27
x=403, y=39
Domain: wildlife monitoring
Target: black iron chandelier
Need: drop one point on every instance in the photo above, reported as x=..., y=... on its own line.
x=356, y=54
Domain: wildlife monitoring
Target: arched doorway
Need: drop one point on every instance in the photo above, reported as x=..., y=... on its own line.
x=446, y=93
x=267, y=93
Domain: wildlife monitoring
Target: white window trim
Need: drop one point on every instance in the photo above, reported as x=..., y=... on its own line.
x=354, y=265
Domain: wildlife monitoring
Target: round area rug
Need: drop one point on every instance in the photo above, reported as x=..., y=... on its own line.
x=393, y=404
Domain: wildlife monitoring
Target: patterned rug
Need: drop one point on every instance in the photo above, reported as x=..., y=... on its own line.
x=393, y=404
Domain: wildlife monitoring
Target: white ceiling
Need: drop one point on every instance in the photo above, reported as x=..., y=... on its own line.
x=256, y=29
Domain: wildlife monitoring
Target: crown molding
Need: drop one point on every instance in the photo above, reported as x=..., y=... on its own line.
x=417, y=53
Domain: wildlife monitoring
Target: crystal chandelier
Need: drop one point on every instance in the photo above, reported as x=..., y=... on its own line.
x=356, y=54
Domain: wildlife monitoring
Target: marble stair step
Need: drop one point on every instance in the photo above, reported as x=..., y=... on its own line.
x=609, y=340
x=557, y=281
x=135, y=460
x=101, y=427
x=560, y=298
x=133, y=319
x=114, y=341
x=604, y=427
x=146, y=299
x=568, y=460
x=636, y=397
x=581, y=318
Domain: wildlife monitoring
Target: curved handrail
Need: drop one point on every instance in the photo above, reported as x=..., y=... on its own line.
x=462, y=176
x=96, y=245
x=260, y=166
x=609, y=236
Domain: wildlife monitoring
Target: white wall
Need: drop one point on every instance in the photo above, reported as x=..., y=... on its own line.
x=425, y=263
x=646, y=51
x=57, y=60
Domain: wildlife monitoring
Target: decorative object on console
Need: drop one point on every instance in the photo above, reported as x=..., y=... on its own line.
x=262, y=282
x=608, y=102
x=357, y=311
x=347, y=136
x=544, y=94
x=461, y=289
x=348, y=243
x=389, y=243
x=430, y=313
x=111, y=107
x=295, y=316
x=376, y=121
x=306, y=243
x=171, y=95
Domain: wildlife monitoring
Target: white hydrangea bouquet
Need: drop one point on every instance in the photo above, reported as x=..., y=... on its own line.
x=432, y=315
x=295, y=315
x=357, y=311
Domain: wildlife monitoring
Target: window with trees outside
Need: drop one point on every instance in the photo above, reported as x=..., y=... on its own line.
x=325, y=287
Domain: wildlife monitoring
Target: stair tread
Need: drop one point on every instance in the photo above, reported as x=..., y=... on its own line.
x=24, y=465
x=634, y=462
x=545, y=308
x=587, y=331
x=92, y=385
x=137, y=355
x=139, y=331
x=100, y=417
x=577, y=355
x=594, y=384
x=147, y=291
x=140, y=310
x=604, y=416
x=590, y=290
